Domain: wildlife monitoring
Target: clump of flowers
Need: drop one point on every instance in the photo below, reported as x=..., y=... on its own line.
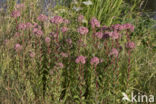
x=83, y=30
x=18, y=47
x=130, y=45
x=95, y=22
x=94, y=61
x=99, y=35
x=80, y=59
x=56, y=20
x=114, y=52
x=42, y=18
x=16, y=14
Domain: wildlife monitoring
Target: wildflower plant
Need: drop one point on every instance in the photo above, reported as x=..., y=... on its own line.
x=64, y=60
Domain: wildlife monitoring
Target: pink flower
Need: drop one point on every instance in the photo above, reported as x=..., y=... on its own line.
x=99, y=35
x=130, y=45
x=57, y=20
x=42, y=17
x=114, y=35
x=17, y=34
x=54, y=35
x=47, y=40
x=94, y=61
x=15, y=14
x=129, y=27
x=69, y=41
x=64, y=54
x=114, y=52
x=95, y=22
x=18, y=47
x=32, y=54
x=22, y=26
x=65, y=21
x=60, y=65
x=29, y=25
x=80, y=59
x=80, y=18
x=64, y=29
x=19, y=6
x=83, y=30
x=37, y=32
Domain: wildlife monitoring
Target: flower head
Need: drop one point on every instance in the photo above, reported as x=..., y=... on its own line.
x=66, y=21
x=95, y=22
x=29, y=25
x=19, y=6
x=15, y=14
x=18, y=47
x=83, y=30
x=37, y=32
x=47, y=40
x=80, y=59
x=114, y=35
x=80, y=18
x=130, y=45
x=42, y=17
x=57, y=20
x=94, y=61
x=64, y=29
x=99, y=35
x=32, y=54
x=114, y=52
x=64, y=54
x=22, y=26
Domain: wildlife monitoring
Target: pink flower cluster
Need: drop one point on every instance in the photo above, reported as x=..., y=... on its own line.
x=42, y=18
x=18, y=47
x=37, y=32
x=19, y=6
x=130, y=45
x=94, y=61
x=114, y=52
x=47, y=40
x=95, y=22
x=82, y=30
x=15, y=14
x=56, y=20
x=114, y=35
x=64, y=29
x=80, y=59
x=80, y=18
x=99, y=35
x=123, y=27
x=23, y=26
